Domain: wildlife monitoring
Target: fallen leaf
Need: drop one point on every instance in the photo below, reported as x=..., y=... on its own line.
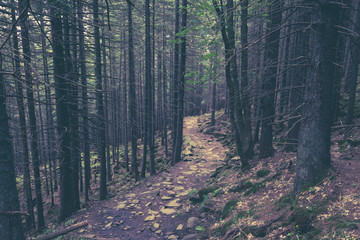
x=180, y=227
x=167, y=211
x=149, y=218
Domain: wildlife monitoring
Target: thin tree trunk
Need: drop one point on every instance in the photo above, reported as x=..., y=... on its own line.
x=23, y=4
x=175, y=82
x=85, y=108
x=30, y=221
x=99, y=103
x=180, y=115
x=132, y=96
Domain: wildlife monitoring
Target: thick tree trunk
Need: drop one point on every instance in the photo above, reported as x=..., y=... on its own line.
x=246, y=135
x=352, y=70
x=71, y=76
x=269, y=81
x=62, y=87
x=313, y=155
x=10, y=225
x=297, y=74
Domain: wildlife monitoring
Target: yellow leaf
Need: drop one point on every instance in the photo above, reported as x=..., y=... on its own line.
x=150, y=218
x=156, y=225
x=120, y=206
x=180, y=227
x=167, y=211
x=174, y=203
x=108, y=225
x=166, y=198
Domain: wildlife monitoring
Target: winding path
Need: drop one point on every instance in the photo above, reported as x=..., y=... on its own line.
x=158, y=208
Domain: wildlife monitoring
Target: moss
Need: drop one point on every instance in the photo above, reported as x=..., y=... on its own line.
x=284, y=201
x=206, y=191
x=302, y=219
x=255, y=187
x=229, y=206
x=347, y=225
x=243, y=185
x=262, y=173
x=245, y=214
x=225, y=227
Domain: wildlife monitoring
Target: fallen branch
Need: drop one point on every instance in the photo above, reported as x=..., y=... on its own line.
x=14, y=213
x=64, y=231
x=345, y=126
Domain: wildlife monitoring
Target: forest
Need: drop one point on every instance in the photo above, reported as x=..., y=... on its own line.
x=177, y=119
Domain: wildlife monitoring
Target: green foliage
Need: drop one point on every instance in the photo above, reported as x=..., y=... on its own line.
x=255, y=187
x=262, y=173
x=245, y=214
x=68, y=222
x=200, y=228
x=229, y=206
x=225, y=227
x=347, y=225
x=284, y=201
x=243, y=185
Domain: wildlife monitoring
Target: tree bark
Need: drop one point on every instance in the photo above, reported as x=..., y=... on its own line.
x=62, y=96
x=99, y=102
x=180, y=115
x=269, y=80
x=313, y=155
x=132, y=96
x=24, y=4
x=85, y=108
x=10, y=225
x=30, y=220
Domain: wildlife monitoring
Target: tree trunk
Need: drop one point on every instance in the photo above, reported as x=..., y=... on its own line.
x=132, y=96
x=23, y=5
x=248, y=147
x=297, y=75
x=30, y=220
x=180, y=115
x=148, y=92
x=269, y=81
x=10, y=225
x=352, y=70
x=62, y=87
x=85, y=108
x=99, y=102
x=175, y=82
x=125, y=107
x=313, y=155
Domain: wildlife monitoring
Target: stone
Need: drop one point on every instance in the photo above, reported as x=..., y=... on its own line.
x=191, y=237
x=191, y=223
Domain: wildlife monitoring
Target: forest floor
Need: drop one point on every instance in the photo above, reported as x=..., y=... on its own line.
x=209, y=196
x=157, y=208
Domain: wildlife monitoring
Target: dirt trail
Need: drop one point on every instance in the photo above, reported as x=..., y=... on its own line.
x=158, y=208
